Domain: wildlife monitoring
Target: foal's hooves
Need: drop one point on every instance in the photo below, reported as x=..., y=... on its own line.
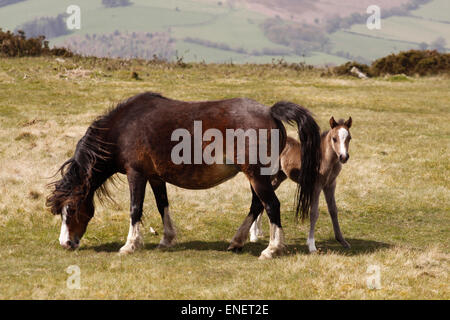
x=344, y=243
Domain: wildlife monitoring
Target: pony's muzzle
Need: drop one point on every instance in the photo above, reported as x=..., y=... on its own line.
x=71, y=245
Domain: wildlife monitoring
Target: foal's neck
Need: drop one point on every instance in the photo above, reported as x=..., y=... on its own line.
x=329, y=157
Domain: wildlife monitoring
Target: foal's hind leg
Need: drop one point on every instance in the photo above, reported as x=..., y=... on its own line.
x=313, y=216
x=241, y=235
x=160, y=192
x=137, y=184
x=256, y=228
x=332, y=209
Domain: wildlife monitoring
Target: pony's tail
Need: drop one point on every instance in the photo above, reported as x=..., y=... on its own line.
x=309, y=134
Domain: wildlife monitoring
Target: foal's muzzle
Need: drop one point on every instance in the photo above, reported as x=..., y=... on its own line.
x=344, y=158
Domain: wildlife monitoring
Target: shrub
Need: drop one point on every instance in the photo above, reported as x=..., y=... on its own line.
x=18, y=45
x=425, y=62
x=344, y=69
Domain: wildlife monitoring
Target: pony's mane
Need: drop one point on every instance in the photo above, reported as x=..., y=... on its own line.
x=91, y=155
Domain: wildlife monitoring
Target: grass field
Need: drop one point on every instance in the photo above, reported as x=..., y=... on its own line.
x=365, y=46
x=392, y=195
x=409, y=29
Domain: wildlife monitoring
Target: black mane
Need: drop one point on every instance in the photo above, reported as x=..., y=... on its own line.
x=93, y=151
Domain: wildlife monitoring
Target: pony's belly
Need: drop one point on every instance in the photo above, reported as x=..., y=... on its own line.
x=199, y=176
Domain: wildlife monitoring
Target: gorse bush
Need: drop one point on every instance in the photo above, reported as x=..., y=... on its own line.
x=426, y=62
x=412, y=62
x=345, y=69
x=18, y=45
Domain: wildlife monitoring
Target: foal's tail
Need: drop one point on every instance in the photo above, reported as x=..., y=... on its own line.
x=309, y=134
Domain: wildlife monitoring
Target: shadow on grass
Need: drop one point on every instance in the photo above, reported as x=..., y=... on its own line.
x=358, y=246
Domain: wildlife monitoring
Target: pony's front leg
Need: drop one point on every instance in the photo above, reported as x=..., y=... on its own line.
x=314, y=215
x=332, y=209
x=160, y=192
x=137, y=183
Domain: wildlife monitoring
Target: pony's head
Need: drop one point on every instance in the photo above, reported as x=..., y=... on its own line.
x=340, y=138
x=71, y=198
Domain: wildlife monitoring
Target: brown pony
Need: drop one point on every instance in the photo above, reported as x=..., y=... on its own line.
x=334, y=149
x=137, y=139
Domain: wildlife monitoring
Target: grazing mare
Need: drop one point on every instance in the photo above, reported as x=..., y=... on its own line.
x=137, y=138
x=334, y=149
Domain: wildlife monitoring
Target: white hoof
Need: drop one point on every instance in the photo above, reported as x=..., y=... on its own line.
x=311, y=245
x=254, y=238
x=131, y=247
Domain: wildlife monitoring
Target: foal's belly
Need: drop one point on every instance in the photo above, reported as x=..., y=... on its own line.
x=198, y=176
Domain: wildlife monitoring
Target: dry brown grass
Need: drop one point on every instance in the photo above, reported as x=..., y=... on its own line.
x=392, y=194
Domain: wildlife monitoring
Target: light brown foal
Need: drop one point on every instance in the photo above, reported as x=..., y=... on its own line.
x=334, y=148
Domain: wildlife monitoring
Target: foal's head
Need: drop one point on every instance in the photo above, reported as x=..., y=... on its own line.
x=340, y=138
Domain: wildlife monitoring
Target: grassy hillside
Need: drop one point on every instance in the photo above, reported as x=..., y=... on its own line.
x=392, y=195
x=238, y=25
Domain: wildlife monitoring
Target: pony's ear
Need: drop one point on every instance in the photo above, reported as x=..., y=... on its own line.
x=348, y=123
x=333, y=123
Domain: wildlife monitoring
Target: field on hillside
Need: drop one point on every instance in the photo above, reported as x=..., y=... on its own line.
x=392, y=195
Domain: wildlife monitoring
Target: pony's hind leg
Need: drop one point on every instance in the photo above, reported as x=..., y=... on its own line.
x=264, y=190
x=137, y=184
x=256, y=228
x=160, y=192
x=241, y=235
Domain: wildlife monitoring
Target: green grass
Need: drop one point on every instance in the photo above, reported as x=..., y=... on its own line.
x=435, y=10
x=392, y=195
x=408, y=29
x=366, y=46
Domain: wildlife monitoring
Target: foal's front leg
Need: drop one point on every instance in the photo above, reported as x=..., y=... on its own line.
x=137, y=184
x=332, y=209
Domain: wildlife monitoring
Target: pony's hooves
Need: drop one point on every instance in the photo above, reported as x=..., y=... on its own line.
x=235, y=249
x=254, y=239
x=126, y=250
x=272, y=253
x=265, y=256
x=165, y=245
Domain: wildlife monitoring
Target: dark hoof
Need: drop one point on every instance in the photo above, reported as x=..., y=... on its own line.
x=344, y=243
x=235, y=249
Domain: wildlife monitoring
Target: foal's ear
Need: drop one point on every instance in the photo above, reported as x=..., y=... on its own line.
x=333, y=123
x=348, y=123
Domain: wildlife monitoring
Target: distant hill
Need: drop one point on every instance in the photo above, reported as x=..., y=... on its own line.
x=260, y=31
